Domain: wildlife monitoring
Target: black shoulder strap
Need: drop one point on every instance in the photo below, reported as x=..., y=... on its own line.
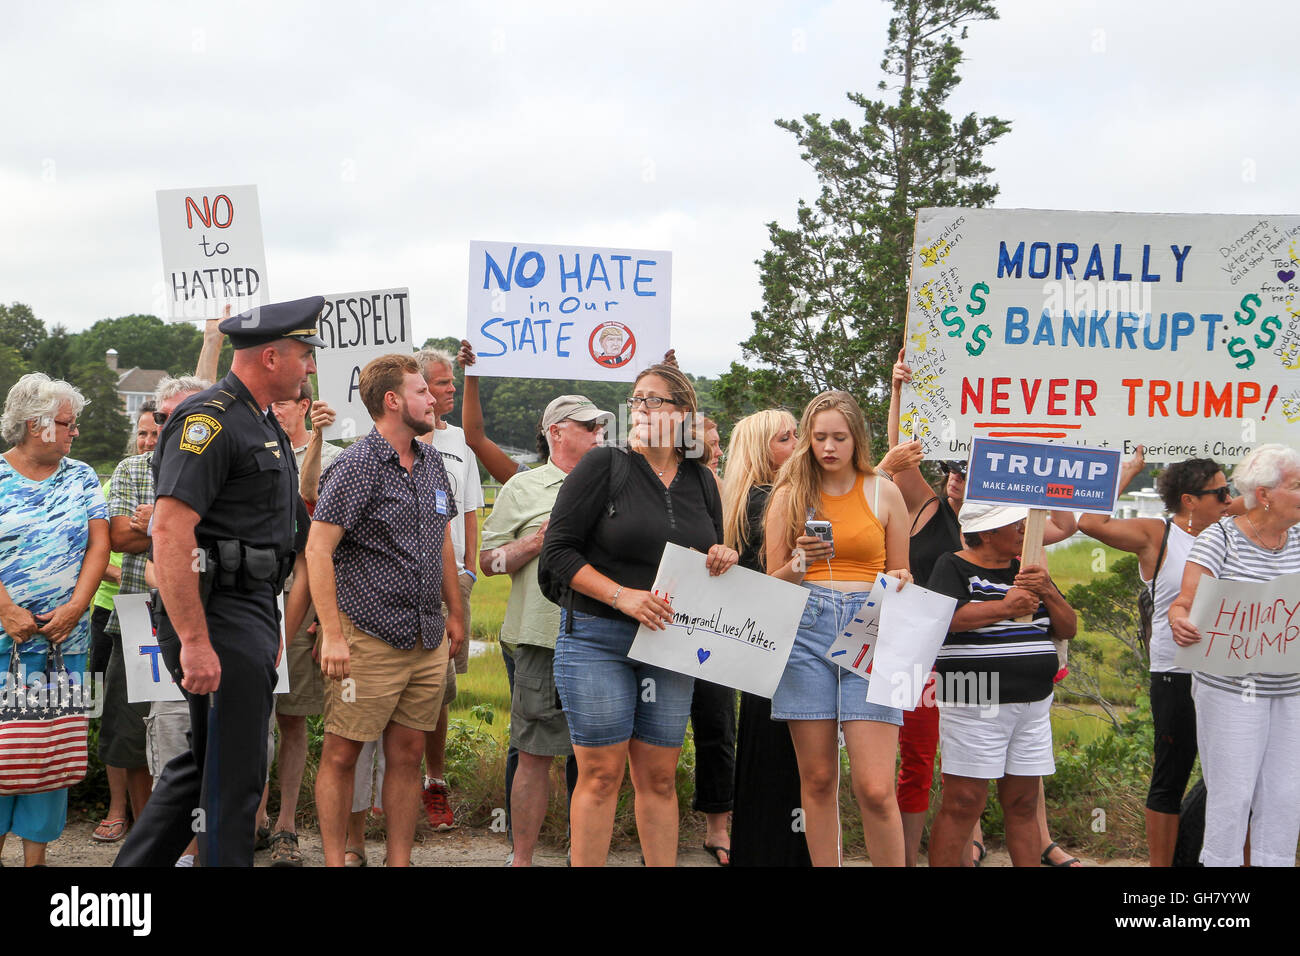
x=619, y=467
x=920, y=511
x=1160, y=556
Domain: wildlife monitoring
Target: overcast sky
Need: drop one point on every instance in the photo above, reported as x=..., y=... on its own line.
x=383, y=137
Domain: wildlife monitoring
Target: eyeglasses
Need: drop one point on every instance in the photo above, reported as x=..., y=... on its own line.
x=160, y=418
x=71, y=426
x=1221, y=493
x=649, y=401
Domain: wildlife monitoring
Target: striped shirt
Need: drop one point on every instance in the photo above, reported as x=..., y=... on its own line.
x=1006, y=662
x=1230, y=556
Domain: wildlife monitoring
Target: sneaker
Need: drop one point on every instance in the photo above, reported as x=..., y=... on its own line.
x=436, y=807
x=187, y=860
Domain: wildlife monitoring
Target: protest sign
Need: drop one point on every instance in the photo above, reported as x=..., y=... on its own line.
x=1178, y=332
x=592, y=313
x=1039, y=475
x=147, y=677
x=212, y=251
x=913, y=623
x=854, y=648
x=357, y=327
x=1247, y=627
x=735, y=629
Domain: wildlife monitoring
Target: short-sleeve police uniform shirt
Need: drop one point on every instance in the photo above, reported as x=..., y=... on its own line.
x=232, y=463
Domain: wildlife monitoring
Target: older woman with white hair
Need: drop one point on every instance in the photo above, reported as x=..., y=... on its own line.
x=1248, y=727
x=53, y=551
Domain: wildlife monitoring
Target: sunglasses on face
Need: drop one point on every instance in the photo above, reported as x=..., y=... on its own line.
x=160, y=418
x=1221, y=493
x=953, y=468
x=590, y=426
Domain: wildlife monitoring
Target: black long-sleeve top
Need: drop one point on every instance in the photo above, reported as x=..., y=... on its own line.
x=627, y=545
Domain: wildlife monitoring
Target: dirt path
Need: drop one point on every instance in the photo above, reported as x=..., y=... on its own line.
x=460, y=847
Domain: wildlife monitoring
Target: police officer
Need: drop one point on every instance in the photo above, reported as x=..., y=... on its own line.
x=225, y=523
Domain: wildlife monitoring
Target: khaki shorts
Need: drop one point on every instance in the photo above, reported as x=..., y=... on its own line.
x=384, y=686
x=306, y=695
x=462, y=659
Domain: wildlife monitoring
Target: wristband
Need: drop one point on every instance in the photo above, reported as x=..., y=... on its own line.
x=614, y=601
x=887, y=476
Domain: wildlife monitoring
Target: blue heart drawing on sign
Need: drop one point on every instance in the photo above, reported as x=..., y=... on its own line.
x=702, y=654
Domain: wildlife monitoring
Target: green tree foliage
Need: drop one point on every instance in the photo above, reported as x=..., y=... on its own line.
x=512, y=407
x=54, y=355
x=1106, y=605
x=104, y=428
x=12, y=368
x=21, y=330
x=835, y=284
x=143, y=341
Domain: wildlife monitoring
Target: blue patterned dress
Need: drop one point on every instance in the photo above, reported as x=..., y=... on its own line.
x=44, y=531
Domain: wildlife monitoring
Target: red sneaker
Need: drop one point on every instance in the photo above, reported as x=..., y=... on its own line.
x=436, y=807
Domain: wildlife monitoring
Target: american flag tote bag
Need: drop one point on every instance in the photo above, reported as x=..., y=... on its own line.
x=43, y=727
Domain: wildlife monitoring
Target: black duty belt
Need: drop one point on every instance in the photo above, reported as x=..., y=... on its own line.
x=235, y=566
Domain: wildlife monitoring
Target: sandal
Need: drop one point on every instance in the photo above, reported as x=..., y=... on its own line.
x=359, y=853
x=284, y=849
x=1046, y=858
x=976, y=861
x=110, y=831
x=263, y=837
x=717, y=852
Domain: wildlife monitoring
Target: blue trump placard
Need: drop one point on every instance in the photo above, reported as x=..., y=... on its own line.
x=1039, y=475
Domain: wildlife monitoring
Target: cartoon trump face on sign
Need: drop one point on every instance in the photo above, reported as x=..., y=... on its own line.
x=612, y=344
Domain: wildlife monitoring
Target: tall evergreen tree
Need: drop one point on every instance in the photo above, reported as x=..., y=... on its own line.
x=835, y=285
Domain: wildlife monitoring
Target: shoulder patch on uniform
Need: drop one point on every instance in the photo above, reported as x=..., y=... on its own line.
x=197, y=432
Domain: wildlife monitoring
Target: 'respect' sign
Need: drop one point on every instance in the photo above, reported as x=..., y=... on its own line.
x=1178, y=332
x=1039, y=475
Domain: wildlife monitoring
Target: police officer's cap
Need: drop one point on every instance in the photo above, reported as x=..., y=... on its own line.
x=264, y=324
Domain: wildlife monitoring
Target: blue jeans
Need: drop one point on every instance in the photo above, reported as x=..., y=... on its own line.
x=610, y=698
x=814, y=688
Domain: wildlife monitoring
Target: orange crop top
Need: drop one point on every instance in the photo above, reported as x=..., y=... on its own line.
x=858, y=535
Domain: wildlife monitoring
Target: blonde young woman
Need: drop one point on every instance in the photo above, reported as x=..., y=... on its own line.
x=830, y=476
x=767, y=773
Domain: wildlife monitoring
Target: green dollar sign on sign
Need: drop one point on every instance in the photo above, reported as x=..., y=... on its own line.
x=1268, y=327
x=977, y=346
x=1237, y=349
x=956, y=320
x=1249, y=317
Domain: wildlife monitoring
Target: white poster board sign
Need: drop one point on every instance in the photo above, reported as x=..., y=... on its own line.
x=212, y=251
x=1178, y=332
x=854, y=648
x=592, y=313
x=356, y=328
x=735, y=629
x=147, y=677
x=1247, y=627
x=913, y=623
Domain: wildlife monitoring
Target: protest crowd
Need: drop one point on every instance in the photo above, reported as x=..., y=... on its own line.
x=239, y=520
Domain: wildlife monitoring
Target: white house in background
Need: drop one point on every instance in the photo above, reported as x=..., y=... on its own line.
x=135, y=385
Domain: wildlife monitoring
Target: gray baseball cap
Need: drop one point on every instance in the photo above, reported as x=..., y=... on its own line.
x=578, y=407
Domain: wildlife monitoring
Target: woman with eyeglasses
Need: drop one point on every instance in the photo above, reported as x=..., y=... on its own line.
x=1195, y=494
x=607, y=534
x=1248, y=727
x=53, y=551
x=830, y=477
x=934, y=530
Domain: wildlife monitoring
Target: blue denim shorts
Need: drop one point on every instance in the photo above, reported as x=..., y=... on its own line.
x=608, y=697
x=813, y=688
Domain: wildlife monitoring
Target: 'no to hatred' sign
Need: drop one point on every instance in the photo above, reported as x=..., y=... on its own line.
x=212, y=251
x=1178, y=332
x=735, y=629
x=357, y=327
x=576, y=312
x=1038, y=475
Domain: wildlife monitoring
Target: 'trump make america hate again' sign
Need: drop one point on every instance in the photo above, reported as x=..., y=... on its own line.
x=592, y=313
x=212, y=251
x=1038, y=475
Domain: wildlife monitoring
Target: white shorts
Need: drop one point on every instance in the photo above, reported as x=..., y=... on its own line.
x=987, y=743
